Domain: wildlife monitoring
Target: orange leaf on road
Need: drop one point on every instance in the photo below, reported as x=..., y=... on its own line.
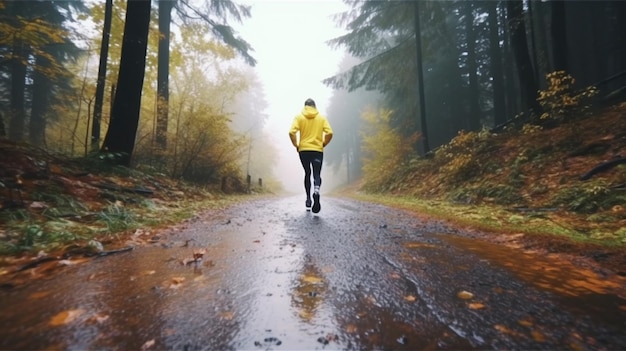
x=65, y=317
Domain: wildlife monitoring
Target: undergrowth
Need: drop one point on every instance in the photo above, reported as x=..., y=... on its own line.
x=532, y=173
x=69, y=202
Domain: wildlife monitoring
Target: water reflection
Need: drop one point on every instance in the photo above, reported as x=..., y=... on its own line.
x=545, y=272
x=308, y=292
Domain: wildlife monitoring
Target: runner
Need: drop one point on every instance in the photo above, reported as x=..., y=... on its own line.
x=315, y=133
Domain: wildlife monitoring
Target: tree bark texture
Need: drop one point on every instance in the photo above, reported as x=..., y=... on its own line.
x=519, y=45
x=420, y=79
x=120, y=138
x=17, y=113
x=163, y=72
x=497, y=71
x=472, y=69
x=102, y=73
x=41, y=102
x=558, y=34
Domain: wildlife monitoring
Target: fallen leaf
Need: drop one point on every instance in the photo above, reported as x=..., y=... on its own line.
x=148, y=344
x=65, y=317
x=538, y=336
x=410, y=298
x=476, y=306
x=177, y=282
x=227, y=315
x=465, y=295
x=505, y=330
x=98, y=318
x=525, y=323
x=501, y=328
x=39, y=295
x=199, y=254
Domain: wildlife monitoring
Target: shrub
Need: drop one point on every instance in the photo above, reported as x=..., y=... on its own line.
x=458, y=159
x=385, y=152
x=560, y=100
x=585, y=199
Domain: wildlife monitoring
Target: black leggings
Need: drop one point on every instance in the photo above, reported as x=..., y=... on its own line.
x=311, y=160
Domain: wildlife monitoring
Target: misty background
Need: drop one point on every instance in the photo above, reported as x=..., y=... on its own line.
x=289, y=40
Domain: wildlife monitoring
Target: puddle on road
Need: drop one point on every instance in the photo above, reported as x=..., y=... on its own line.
x=577, y=286
x=308, y=292
x=556, y=275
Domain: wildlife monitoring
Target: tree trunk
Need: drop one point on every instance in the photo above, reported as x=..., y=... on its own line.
x=17, y=113
x=474, y=107
x=120, y=137
x=531, y=38
x=163, y=72
x=511, y=83
x=558, y=33
x=610, y=41
x=102, y=74
x=3, y=130
x=519, y=45
x=497, y=71
x=41, y=102
x=541, y=33
x=420, y=79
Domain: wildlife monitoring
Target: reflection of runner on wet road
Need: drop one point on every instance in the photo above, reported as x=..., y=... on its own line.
x=314, y=134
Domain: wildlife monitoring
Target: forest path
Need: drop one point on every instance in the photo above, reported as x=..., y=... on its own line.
x=355, y=276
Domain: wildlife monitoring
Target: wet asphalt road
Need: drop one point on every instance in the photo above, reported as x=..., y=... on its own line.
x=356, y=276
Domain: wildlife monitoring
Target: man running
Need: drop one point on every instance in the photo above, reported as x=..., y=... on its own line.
x=315, y=134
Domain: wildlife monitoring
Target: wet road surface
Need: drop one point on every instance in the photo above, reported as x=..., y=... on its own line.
x=356, y=276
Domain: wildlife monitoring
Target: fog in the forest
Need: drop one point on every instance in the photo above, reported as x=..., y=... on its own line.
x=289, y=41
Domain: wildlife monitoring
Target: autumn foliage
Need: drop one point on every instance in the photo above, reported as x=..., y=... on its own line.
x=384, y=150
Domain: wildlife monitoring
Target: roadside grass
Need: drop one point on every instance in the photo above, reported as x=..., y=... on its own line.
x=67, y=203
x=51, y=230
x=501, y=220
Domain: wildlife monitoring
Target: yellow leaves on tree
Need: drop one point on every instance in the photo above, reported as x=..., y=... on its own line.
x=385, y=150
x=38, y=35
x=560, y=100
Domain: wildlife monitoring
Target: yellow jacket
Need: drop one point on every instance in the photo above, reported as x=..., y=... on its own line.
x=314, y=130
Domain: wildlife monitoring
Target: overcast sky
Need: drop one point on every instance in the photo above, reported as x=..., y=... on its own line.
x=289, y=40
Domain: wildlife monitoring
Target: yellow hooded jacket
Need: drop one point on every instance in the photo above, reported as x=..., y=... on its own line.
x=312, y=126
